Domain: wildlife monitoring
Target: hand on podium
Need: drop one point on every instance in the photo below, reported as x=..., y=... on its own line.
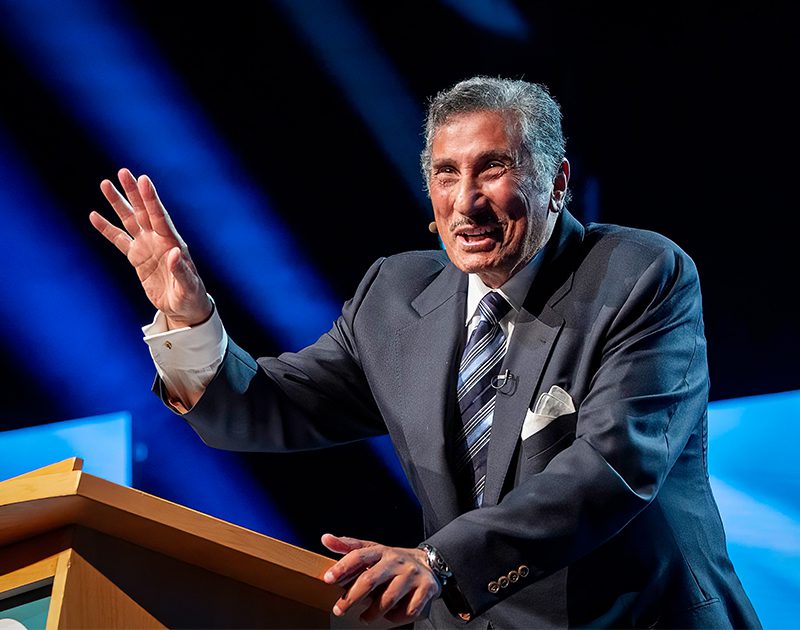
x=385, y=586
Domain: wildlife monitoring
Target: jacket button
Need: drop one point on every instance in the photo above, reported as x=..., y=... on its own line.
x=523, y=570
x=493, y=587
x=513, y=576
x=502, y=581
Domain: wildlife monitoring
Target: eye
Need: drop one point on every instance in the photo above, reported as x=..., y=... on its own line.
x=495, y=168
x=445, y=175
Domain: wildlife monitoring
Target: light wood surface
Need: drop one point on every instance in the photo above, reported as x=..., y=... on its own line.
x=62, y=495
x=67, y=465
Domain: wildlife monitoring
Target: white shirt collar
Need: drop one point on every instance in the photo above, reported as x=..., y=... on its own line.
x=514, y=290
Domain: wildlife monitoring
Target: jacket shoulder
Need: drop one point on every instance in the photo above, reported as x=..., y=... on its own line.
x=633, y=247
x=398, y=279
x=410, y=272
x=415, y=261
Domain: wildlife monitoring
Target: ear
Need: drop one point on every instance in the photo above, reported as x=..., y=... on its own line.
x=560, y=183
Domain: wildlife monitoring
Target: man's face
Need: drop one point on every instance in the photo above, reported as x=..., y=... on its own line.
x=489, y=215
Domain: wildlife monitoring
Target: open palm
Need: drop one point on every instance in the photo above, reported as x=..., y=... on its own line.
x=155, y=250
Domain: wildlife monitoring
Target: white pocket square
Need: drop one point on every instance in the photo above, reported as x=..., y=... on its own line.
x=550, y=406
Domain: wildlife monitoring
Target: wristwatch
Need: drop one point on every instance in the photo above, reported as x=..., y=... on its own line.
x=451, y=595
x=437, y=564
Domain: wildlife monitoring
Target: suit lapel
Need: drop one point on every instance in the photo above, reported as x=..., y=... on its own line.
x=527, y=356
x=427, y=359
x=536, y=331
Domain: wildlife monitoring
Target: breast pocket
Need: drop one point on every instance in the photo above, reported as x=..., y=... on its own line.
x=542, y=446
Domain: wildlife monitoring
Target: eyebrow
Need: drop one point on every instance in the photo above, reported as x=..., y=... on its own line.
x=481, y=157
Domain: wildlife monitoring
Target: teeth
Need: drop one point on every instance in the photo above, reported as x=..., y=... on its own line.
x=479, y=232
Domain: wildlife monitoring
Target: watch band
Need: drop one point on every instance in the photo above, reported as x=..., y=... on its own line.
x=451, y=595
x=437, y=564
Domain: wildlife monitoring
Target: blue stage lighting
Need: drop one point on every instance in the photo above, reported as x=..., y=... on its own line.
x=497, y=16
x=121, y=91
x=752, y=462
x=348, y=51
x=112, y=80
x=69, y=330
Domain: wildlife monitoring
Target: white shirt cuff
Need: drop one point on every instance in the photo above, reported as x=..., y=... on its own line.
x=187, y=358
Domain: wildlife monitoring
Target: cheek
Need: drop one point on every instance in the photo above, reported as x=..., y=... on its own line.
x=517, y=234
x=439, y=201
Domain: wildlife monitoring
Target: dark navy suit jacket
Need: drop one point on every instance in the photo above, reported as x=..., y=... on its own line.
x=608, y=509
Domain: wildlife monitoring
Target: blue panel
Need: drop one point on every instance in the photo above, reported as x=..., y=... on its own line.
x=103, y=442
x=754, y=474
x=29, y=610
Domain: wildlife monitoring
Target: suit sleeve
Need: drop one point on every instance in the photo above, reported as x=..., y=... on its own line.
x=648, y=394
x=313, y=398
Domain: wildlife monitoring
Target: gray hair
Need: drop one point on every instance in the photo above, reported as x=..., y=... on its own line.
x=536, y=114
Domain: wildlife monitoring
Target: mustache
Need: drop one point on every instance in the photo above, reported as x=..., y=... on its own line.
x=479, y=221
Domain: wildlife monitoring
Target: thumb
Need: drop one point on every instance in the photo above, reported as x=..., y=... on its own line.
x=177, y=265
x=344, y=544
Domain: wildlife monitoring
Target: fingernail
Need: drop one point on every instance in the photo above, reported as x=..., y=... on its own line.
x=329, y=577
x=337, y=611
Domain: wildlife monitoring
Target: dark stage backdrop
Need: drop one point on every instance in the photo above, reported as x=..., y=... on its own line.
x=283, y=137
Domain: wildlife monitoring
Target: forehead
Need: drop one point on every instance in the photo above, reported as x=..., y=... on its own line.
x=474, y=133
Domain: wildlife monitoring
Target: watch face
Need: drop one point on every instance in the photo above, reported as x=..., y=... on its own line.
x=437, y=565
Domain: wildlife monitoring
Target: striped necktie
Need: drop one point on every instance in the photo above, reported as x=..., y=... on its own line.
x=480, y=364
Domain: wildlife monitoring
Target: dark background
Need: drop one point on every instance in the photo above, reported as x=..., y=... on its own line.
x=680, y=118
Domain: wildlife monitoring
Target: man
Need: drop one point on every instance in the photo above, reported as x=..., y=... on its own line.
x=544, y=384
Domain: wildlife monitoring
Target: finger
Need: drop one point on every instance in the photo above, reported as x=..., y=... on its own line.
x=395, y=592
x=353, y=611
x=403, y=614
x=157, y=214
x=131, y=187
x=117, y=237
x=353, y=563
x=121, y=207
x=420, y=598
x=363, y=588
x=344, y=544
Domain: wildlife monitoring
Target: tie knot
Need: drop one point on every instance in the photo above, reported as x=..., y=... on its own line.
x=493, y=307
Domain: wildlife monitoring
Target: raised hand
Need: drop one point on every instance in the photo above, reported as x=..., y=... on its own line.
x=395, y=584
x=155, y=250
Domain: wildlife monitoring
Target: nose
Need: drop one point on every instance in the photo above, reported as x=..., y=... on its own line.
x=469, y=199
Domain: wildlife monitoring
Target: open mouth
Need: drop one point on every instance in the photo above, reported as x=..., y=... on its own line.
x=479, y=237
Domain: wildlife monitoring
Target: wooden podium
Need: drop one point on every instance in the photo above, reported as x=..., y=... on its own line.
x=99, y=555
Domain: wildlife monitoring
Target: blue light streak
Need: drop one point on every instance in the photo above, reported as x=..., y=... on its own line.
x=497, y=16
x=116, y=84
x=347, y=50
x=118, y=87
x=69, y=329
